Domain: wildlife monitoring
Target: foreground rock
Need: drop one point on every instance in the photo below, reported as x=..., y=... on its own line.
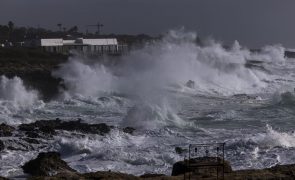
x=277, y=172
x=128, y=130
x=190, y=84
x=38, y=135
x=103, y=175
x=46, y=164
x=6, y=130
x=51, y=166
x=48, y=127
x=1, y=146
x=108, y=175
x=181, y=167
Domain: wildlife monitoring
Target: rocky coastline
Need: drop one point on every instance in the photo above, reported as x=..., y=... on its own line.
x=35, y=70
x=49, y=165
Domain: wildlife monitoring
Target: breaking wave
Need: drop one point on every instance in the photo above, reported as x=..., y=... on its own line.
x=15, y=97
x=84, y=79
x=275, y=138
x=174, y=92
x=146, y=74
x=174, y=60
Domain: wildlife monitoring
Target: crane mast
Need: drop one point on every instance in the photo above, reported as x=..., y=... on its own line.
x=98, y=26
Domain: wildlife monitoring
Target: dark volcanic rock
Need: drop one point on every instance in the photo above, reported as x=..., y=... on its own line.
x=50, y=166
x=46, y=164
x=32, y=134
x=6, y=130
x=145, y=176
x=84, y=128
x=41, y=125
x=182, y=167
x=179, y=168
x=31, y=140
x=18, y=145
x=128, y=130
x=109, y=175
x=47, y=130
x=276, y=172
x=1, y=145
x=190, y=84
x=180, y=150
x=100, y=175
x=48, y=127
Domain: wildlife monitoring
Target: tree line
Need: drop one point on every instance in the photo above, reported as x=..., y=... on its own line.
x=13, y=33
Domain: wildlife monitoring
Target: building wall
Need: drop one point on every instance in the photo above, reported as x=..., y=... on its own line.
x=92, y=46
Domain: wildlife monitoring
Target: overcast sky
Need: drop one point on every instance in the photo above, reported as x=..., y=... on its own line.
x=252, y=22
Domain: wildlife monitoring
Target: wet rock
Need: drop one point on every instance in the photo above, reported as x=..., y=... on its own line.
x=32, y=134
x=31, y=140
x=41, y=125
x=109, y=175
x=48, y=130
x=18, y=145
x=62, y=175
x=152, y=176
x=190, y=84
x=1, y=145
x=84, y=128
x=128, y=130
x=245, y=96
x=48, y=127
x=180, y=150
x=276, y=172
x=27, y=127
x=3, y=178
x=182, y=167
x=104, y=99
x=6, y=130
x=100, y=175
x=179, y=168
x=46, y=164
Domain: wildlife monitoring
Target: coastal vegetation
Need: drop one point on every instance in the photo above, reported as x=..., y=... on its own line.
x=11, y=33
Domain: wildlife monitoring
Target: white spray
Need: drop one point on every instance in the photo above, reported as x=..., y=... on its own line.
x=146, y=74
x=14, y=96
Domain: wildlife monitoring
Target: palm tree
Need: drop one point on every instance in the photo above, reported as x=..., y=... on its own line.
x=10, y=25
x=59, y=25
x=73, y=29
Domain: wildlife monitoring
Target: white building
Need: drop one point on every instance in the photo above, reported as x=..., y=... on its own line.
x=94, y=46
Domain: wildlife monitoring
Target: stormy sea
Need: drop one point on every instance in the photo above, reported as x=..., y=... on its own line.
x=174, y=93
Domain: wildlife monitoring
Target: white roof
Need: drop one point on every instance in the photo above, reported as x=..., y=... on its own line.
x=51, y=42
x=100, y=41
x=61, y=42
x=68, y=41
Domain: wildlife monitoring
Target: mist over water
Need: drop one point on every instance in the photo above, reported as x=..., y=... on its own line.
x=241, y=97
x=16, y=98
x=83, y=79
x=13, y=90
x=172, y=62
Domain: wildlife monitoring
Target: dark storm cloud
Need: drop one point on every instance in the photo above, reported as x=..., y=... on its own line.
x=252, y=22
